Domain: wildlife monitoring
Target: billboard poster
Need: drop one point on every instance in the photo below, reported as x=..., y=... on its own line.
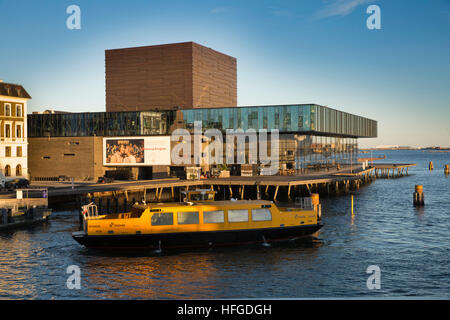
x=136, y=151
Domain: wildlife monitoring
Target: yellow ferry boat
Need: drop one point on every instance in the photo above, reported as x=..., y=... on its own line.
x=204, y=222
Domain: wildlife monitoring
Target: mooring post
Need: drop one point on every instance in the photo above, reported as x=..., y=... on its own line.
x=418, y=197
x=352, y=207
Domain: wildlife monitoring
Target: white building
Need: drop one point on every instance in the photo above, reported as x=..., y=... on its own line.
x=13, y=130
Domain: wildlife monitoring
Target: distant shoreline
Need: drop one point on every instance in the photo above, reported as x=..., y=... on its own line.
x=400, y=149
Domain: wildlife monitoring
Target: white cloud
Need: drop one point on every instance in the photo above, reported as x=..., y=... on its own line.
x=339, y=8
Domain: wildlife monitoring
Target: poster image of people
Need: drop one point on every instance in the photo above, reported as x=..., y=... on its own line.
x=124, y=151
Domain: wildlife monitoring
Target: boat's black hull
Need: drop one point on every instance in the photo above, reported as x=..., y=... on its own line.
x=197, y=239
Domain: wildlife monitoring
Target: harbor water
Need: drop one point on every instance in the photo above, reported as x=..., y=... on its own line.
x=410, y=245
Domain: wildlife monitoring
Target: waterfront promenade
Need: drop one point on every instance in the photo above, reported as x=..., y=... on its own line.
x=235, y=186
x=279, y=187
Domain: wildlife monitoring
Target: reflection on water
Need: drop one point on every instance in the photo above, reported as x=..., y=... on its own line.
x=177, y=274
x=410, y=244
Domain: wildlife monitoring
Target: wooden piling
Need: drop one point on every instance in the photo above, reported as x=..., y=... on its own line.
x=276, y=193
x=418, y=197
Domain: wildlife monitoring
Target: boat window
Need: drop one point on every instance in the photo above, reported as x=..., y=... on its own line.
x=238, y=215
x=197, y=196
x=162, y=219
x=213, y=216
x=136, y=212
x=188, y=217
x=261, y=215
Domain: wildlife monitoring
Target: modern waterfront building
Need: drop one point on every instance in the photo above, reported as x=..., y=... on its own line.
x=152, y=91
x=311, y=137
x=13, y=130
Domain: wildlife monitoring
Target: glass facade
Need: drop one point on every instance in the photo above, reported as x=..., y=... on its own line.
x=320, y=152
x=289, y=118
x=311, y=138
x=311, y=153
x=100, y=124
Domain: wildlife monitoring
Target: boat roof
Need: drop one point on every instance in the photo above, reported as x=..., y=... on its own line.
x=204, y=203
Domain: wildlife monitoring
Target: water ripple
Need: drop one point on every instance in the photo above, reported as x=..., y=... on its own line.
x=410, y=245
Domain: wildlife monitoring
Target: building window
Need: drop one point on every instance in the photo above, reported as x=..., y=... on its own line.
x=7, y=130
x=18, y=170
x=7, y=109
x=18, y=131
x=7, y=151
x=188, y=217
x=7, y=171
x=19, y=151
x=213, y=216
x=18, y=110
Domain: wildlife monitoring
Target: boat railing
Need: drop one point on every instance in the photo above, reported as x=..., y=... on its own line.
x=304, y=203
x=90, y=211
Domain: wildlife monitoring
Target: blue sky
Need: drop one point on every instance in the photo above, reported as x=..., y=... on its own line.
x=288, y=52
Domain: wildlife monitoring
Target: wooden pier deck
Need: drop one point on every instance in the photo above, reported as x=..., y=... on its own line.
x=234, y=187
x=383, y=170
